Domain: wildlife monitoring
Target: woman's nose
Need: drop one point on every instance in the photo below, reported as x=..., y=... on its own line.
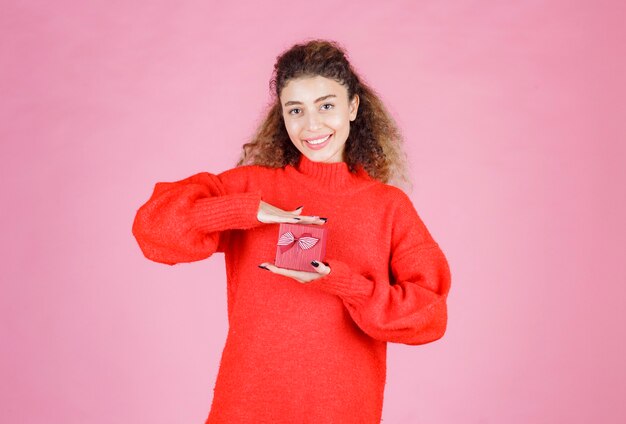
x=313, y=121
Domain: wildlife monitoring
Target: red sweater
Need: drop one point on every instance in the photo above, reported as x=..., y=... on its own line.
x=304, y=353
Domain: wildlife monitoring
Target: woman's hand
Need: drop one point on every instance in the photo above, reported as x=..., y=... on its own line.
x=271, y=214
x=320, y=271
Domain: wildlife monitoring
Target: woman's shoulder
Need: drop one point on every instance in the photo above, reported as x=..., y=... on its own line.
x=246, y=177
x=390, y=194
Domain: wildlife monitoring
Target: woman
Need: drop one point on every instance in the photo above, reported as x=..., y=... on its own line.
x=308, y=346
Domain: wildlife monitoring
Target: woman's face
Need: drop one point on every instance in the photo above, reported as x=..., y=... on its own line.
x=317, y=115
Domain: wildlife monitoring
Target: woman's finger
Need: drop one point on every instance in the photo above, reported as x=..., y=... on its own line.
x=312, y=219
x=301, y=219
x=320, y=267
x=269, y=213
x=282, y=271
x=300, y=276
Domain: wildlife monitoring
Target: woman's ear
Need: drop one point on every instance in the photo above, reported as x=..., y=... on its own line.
x=354, y=107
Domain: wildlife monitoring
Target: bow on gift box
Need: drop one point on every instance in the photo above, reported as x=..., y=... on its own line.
x=287, y=240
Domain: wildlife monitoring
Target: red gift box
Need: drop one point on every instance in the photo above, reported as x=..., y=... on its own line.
x=299, y=244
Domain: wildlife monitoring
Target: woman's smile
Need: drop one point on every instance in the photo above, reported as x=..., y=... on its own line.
x=318, y=143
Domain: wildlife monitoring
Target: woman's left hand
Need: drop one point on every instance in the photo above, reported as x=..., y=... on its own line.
x=301, y=276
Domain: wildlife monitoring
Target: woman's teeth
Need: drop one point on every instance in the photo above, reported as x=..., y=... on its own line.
x=319, y=141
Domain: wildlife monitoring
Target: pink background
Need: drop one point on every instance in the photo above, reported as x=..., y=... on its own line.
x=515, y=124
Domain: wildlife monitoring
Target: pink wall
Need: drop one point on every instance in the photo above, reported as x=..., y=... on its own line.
x=515, y=124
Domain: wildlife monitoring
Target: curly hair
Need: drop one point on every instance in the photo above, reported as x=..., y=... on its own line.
x=374, y=141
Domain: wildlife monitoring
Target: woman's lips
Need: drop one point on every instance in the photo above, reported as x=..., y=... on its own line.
x=320, y=145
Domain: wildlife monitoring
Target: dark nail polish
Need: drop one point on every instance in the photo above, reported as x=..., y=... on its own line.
x=298, y=219
x=299, y=207
x=315, y=264
x=324, y=219
x=264, y=267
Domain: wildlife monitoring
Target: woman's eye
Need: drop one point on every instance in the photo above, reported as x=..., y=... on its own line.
x=296, y=110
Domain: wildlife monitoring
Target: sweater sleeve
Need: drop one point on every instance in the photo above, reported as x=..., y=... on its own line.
x=187, y=220
x=409, y=307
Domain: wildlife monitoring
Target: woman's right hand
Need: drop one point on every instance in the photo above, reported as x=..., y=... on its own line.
x=271, y=214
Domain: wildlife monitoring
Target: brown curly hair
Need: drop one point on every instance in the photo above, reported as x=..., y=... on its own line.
x=374, y=141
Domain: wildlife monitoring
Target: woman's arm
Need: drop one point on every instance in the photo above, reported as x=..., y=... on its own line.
x=410, y=305
x=186, y=220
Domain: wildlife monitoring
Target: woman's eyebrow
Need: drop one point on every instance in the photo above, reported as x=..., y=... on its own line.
x=295, y=102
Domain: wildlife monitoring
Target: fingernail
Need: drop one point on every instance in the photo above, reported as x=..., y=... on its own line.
x=299, y=207
x=324, y=219
x=264, y=267
x=315, y=264
x=298, y=219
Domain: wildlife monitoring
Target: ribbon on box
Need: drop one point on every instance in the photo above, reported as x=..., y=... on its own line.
x=287, y=240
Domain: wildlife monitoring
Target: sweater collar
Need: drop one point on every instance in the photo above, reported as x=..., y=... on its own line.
x=333, y=177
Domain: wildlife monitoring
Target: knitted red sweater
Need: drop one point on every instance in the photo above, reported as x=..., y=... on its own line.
x=304, y=353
